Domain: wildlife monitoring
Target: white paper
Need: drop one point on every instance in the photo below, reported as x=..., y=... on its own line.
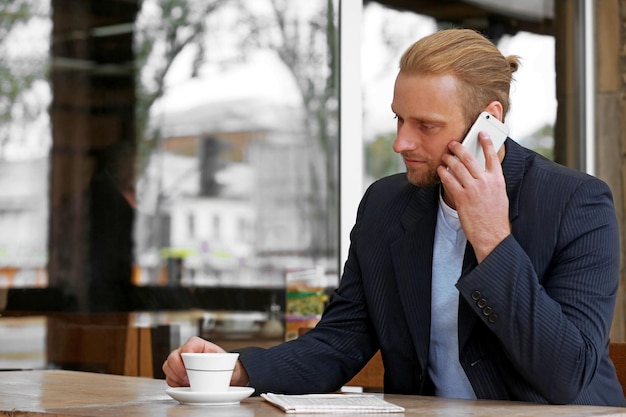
x=331, y=403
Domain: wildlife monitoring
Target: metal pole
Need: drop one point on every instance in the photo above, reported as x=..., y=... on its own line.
x=350, y=120
x=588, y=142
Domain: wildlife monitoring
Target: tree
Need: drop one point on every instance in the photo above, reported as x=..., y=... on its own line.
x=380, y=158
x=308, y=46
x=164, y=28
x=19, y=69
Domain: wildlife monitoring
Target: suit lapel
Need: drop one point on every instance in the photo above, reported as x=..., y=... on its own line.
x=513, y=166
x=412, y=257
x=466, y=317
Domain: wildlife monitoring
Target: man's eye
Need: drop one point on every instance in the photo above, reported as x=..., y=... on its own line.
x=429, y=129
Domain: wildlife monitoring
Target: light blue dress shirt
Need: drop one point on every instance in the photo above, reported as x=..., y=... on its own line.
x=444, y=367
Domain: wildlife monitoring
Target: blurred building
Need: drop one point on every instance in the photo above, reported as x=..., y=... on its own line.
x=23, y=222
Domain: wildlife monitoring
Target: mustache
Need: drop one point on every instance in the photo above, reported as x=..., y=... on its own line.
x=415, y=157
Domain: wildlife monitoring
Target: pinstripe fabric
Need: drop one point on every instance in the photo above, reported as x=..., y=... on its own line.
x=549, y=287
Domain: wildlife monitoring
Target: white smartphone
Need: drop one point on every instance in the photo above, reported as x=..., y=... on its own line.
x=497, y=130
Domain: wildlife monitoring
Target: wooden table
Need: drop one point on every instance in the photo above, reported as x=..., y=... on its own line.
x=83, y=394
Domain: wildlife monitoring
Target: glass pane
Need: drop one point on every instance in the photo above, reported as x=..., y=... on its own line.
x=533, y=93
x=24, y=142
x=238, y=171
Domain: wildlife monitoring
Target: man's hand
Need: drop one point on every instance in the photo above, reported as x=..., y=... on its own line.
x=174, y=369
x=478, y=195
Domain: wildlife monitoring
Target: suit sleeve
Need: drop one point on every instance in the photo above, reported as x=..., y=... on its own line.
x=553, y=323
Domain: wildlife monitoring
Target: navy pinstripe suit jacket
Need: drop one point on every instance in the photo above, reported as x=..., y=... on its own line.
x=534, y=316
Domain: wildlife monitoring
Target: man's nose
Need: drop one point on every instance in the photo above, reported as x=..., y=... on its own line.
x=404, y=141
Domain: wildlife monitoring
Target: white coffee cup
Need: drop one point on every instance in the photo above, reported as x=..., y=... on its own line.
x=209, y=372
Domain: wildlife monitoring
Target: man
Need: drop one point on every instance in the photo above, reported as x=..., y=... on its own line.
x=474, y=283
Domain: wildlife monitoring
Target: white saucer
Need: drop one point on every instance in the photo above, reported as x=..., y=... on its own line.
x=185, y=395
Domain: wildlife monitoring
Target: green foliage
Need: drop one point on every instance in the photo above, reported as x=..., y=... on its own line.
x=13, y=12
x=307, y=45
x=163, y=29
x=539, y=141
x=547, y=152
x=380, y=158
x=17, y=75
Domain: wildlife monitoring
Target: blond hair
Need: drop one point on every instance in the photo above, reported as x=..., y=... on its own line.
x=484, y=74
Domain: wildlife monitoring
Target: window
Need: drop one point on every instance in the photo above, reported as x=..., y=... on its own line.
x=203, y=125
x=242, y=127
x=386, y=36
x=25, y=140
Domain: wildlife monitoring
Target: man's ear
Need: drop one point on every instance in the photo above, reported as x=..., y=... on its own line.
x=496, y=110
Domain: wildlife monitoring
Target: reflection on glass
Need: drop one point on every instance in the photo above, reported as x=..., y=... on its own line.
x=238, y=142
x=25, y=137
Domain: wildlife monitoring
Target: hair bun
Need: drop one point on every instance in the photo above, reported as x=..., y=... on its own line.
x=513, y=61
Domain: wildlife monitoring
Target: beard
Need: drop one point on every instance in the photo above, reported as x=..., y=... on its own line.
x=423, y=178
